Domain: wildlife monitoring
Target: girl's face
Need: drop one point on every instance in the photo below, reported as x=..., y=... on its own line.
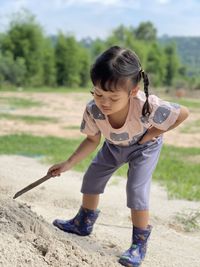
x=112, y=102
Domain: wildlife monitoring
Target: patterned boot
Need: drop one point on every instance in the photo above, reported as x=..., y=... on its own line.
x=134, y=256
x=81, y=224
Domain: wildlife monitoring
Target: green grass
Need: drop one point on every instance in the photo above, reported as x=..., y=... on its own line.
x=18, y=102
x=188, y=102
x=28, y=119
x=191, y=127
x=44, y=89
x=179, y=173
x=174, y=170
x=51, y=149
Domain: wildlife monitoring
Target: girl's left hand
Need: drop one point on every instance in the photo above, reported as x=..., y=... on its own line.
x=151, y=135
x=144, y=140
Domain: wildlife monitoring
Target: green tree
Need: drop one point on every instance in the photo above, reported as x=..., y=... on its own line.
x=172, y=64
x=12, y=71
x=24, y=39
x=156, y=64
x=97, y=47
x=121, y=33
x=49, y=63
x=125, y=37
x=146, y=31
x=84, y=66
x=61, y=59
x=67, y=61
x=120, y=36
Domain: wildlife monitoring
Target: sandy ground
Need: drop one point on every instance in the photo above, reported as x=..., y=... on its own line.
x=27, y=237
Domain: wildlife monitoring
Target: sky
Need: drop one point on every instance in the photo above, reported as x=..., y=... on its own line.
x=97, y=18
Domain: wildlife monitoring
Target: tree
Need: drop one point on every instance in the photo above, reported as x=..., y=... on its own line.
x=146, y=31
x=156, y=64
x=12, y=71
x=172, y=64
x=120, y=36
x=84, y=66
x=49, y=63
x=97, y=47
x=24, y=39
x=67, y=61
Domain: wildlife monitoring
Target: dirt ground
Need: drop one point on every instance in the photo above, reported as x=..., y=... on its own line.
x=68, y=109
x=27, y=236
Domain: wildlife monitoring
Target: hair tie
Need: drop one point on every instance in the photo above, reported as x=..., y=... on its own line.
x=141, y=71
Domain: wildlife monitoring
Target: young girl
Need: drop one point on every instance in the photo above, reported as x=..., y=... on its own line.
x=132, y=123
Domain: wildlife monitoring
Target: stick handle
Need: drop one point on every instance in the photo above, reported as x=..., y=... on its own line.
x=31, y=186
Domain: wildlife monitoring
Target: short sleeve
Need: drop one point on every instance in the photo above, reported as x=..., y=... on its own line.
x=88, y=124
x=164, y=114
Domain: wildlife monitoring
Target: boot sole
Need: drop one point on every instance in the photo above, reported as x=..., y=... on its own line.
x=125, y=263
x=69, y=231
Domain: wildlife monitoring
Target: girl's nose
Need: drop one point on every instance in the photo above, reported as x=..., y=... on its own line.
x=105, y=101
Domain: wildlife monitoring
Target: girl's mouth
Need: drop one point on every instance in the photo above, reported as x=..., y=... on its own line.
x=105, y=108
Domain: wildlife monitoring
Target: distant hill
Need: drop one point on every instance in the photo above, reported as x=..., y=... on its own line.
x=188, y=49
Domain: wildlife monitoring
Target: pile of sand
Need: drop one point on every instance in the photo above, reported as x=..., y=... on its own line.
x=28, y=238
x=31, y=241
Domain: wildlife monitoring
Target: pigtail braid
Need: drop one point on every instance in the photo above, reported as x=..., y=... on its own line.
x=146, y=110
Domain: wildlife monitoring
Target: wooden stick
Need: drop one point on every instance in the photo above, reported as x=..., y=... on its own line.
x=31, y=186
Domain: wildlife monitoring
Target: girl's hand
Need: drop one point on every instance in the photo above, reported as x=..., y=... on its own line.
x=151, y=135
x=56, y=169
x=144, y=140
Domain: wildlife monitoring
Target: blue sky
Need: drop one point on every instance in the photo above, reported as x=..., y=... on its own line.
x=97, y=18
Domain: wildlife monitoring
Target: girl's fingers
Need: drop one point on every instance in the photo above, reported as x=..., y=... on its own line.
x=54, y=171
x=55, y=174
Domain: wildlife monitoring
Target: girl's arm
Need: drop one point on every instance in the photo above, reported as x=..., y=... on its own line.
x=154, y=132
x=88, y=145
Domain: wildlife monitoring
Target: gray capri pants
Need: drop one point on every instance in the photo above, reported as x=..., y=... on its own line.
x=142, y=160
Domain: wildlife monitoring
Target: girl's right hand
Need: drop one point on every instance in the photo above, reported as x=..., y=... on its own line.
x=56, y=169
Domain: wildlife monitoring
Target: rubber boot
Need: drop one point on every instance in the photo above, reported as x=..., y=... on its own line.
x=81, y=224
x=134, y=256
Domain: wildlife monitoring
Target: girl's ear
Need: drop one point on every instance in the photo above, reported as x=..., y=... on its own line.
x=134, y=90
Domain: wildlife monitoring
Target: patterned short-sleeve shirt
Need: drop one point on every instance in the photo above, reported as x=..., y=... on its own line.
x=163, y=115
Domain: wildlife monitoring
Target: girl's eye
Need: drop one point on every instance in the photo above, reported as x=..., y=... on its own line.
x=98, y=95
x=95, y=94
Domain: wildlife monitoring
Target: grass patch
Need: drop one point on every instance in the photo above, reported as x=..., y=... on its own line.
x=190, y=221
x=174, y=170
x=191, y=127
x=17, y=102
x=179, y=174
x=53, y=148
x=28, y=119
x=188, y=102
x=44, y=89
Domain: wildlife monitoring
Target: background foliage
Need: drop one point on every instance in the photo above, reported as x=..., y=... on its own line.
x=30, y=58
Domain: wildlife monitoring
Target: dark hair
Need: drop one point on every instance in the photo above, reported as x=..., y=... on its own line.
x=114, y=66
